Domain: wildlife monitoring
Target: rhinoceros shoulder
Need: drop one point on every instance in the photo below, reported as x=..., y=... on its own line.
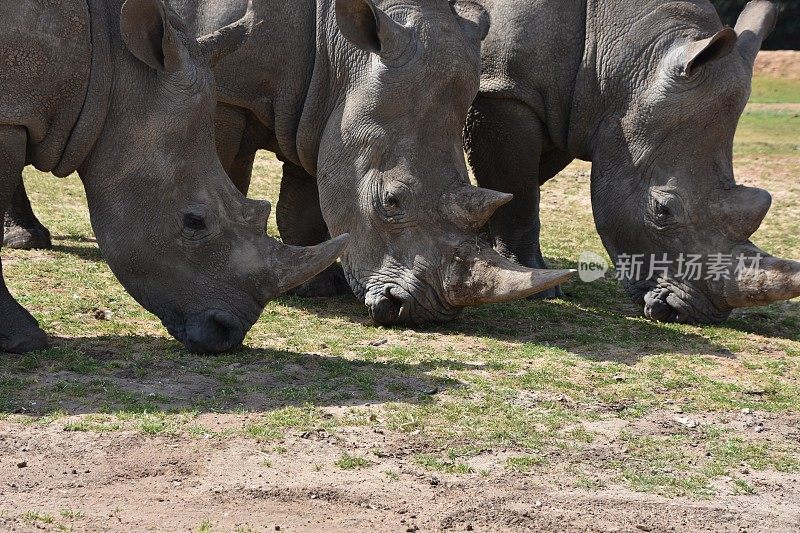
x=45, y=64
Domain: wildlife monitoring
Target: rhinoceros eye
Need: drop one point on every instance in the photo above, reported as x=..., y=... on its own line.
x=194, y=221
x=663, y=214
x=665, y=208
x=391, y=201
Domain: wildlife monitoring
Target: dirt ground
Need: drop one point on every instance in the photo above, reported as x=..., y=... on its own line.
x=779, y=64
x=126, y=481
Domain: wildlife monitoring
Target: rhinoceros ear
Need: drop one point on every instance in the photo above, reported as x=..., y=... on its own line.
x=148, y=34
x=370, y=29
x=228, y=39
x=705, y=51
x=472, y=17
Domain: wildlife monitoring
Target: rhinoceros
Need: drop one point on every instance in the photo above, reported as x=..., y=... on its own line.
x=125, y=96
x=365, y=104
x=650, y=92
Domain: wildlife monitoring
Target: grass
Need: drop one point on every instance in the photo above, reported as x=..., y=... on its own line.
x=525, y=463
x=352, y=462
x=769, y=90
x=769, y=132
x=33, y=516
x=447, y=466
x=545, y=385
x=205, y=527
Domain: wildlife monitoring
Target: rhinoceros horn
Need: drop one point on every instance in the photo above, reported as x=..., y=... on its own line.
x=744, y=210
x=228, y=39
x=769, y=280
x=754, y=25
x=482, y=276
x=296, y=264
x=471, y=207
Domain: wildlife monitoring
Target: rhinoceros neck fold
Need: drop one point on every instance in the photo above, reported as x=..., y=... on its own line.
x=96, y=103
x=46, y=62
x=585, y=90
x=330, y=82
x=625, y=45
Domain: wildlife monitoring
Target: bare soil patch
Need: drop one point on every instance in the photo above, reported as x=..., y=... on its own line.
x=778, y=64
x=125, y=481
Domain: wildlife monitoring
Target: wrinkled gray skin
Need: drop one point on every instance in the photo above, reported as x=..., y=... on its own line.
x=650, y=92
x=368, y=103
x=364, y=102
x=122, y=95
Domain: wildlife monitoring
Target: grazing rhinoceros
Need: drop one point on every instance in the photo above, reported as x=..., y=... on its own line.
x=366, y=100
x=121, y=94
x=650, y=92
x=367, y=103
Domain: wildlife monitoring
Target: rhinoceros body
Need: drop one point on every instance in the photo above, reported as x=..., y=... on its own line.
x=39, y=94
x=650, y=92
x=120, y=93
x=365, y=107
x=364, y=102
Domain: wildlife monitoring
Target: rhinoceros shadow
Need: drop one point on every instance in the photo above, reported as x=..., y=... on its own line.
x=593, y=320
x=779, y=320
x=595, y=332
x=143, y=374
x=87, y=253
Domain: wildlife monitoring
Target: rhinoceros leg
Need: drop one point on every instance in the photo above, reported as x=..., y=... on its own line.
x=301, y=223
x=21, y=228
x=504, y=142
x=19, y=331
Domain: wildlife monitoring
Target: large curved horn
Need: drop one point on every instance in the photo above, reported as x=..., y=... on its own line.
x=297, y=264
x=754, y=25
x=482, y=276
x=770, y=280
x=471, y=207
x=228, y=39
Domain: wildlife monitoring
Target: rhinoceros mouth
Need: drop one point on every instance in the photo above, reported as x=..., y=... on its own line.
x=668, y=300
x=209, y=332
x=400, y=299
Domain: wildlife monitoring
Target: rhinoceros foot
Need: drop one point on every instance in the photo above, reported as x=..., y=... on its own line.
x=35, y=237
x=19, y=331
x=24, y=341
x=330, y=282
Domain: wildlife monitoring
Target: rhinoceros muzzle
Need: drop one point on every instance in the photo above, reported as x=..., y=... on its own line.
x=214, y=332
x=388, y=307
x=754, y=279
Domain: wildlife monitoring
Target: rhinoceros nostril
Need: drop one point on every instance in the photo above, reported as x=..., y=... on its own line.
x=214, y=332
x=386, y=310
x=656, y=306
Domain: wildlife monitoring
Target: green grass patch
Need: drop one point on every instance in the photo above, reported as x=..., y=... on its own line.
x=445, y=466
x=768, y=132
x=525, y=463
x=769, y=90
x=352, y=462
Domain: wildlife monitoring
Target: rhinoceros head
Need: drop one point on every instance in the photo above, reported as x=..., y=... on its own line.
x=681, y=236
x=392, y=171
x=178, y=235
